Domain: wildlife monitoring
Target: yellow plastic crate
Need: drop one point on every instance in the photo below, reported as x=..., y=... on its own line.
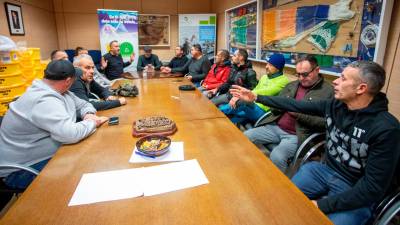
x=35, y=53
x=39, y=72
x=10, y=68
x=11, y=79
x=4, y=102
x=8, y=57
x=26, y=62
x=12, y=91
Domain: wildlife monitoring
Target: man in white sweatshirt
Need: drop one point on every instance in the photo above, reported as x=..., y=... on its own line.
x=43, y=119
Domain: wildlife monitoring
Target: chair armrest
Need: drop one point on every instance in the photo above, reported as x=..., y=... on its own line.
x=16, y=166
x=261, y=118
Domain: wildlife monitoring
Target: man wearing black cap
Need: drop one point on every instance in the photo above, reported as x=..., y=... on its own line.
x=112, y=63
x=43, y=119
x=148, y=60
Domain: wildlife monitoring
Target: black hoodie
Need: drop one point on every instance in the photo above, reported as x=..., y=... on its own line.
x=363, y=146
x=242, y=75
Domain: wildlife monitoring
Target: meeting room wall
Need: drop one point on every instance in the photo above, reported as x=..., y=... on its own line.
x=39, y=23
x=77, y=23
x=391, y=60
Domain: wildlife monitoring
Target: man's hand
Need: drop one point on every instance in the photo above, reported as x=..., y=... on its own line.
x=110, y=98
x=232, y=102
x=166, y=70
x=242, y=93
x=315, y=203
x=104, y=63
x=99, y=120
x=189, y=77
x=122, y=101
x=132, y=58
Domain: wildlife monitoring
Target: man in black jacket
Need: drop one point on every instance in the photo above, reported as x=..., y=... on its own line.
x=196, y=68
x=362, y=144
x=112, y=63
x=179, y=60
x=242, y=74
x=148, y=59
x=87, y=89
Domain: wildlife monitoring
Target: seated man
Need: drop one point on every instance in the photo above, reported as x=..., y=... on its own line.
x=179, y=60
x=362, y=144
x=286, y=130
x=148, y=60
x=43, y=119
x=100, y=78
x=196, y=68
x=80, y=51
x=269, y=85
x=112, y=63
x=58, y=55
x=218, y=73
x=84, y=86
x=241, y=74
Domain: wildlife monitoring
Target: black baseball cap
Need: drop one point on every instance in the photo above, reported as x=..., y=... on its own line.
x=61, y=70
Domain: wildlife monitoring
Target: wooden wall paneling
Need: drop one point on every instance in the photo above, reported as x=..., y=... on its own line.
x=86, y=6
x=123, y=4
x=194, y=6
x=86, y=36
x=160, y=7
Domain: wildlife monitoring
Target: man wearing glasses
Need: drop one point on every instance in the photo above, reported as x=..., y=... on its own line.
x=283, y=131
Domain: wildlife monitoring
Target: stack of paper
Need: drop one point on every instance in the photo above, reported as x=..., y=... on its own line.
x=130, y=183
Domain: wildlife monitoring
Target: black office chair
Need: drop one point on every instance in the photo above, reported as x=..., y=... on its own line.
x=312, y=148
x=387, y=212
x=6, y=193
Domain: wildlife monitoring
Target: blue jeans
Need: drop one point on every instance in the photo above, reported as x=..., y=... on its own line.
x=21, y=179
x=317, y=180
x=243, y=112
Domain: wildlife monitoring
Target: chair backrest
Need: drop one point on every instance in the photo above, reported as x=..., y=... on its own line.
x=313, y=145
x=387, y=209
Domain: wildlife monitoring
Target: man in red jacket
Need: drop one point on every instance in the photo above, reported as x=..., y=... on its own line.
x=218, y=73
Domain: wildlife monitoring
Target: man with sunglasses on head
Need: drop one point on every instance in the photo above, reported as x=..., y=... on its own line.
x=283, y=131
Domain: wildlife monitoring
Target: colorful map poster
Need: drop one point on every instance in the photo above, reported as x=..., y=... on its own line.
x=241, y=27
x=198, y=29
x=121, y=26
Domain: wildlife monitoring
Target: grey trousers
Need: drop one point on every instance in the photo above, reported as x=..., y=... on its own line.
x=220, y=99
x=285, y=144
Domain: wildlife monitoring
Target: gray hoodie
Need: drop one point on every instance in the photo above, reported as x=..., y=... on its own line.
x=38, y=123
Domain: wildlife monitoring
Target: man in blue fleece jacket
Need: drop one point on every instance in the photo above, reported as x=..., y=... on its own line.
x=362, y=144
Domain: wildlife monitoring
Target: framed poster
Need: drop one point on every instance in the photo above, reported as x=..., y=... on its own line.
x=336, y=32
x=242, y=29
x=198, y=29
x=154, y=30
x=14, y=19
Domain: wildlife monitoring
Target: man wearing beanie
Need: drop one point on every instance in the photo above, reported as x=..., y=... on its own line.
x=284, y=131
x=43, y=119
x=269, y=85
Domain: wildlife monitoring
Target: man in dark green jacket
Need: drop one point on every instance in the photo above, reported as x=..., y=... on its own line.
x=148, y=59
x=283, y=130
x=87, y=89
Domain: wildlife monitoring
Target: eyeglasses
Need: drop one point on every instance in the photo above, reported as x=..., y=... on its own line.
x=305, y=74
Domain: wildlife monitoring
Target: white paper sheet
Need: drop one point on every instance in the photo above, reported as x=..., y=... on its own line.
x=175, y=153
x=108, y=186
x=173, y=176
x=130, y=183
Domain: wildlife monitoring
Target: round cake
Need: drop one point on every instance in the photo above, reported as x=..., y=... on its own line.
x=153, y=125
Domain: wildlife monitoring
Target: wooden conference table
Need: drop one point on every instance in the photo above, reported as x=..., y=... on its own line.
x=245, y=187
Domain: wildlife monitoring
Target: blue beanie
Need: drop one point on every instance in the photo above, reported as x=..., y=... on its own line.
x=277, y=60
